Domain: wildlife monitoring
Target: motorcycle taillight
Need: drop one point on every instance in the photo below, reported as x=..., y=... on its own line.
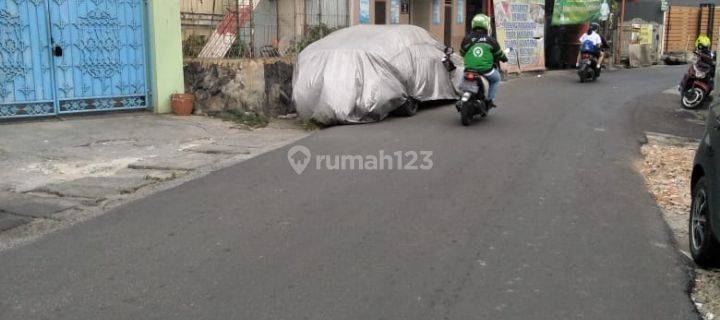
x=469, y=76
x=585, y=56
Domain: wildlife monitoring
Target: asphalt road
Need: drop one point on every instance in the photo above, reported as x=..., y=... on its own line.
x=535, y=213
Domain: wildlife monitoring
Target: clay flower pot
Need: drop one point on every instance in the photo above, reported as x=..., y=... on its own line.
x=182, y=103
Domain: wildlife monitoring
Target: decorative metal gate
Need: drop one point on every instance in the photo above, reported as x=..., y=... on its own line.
x=67, y=56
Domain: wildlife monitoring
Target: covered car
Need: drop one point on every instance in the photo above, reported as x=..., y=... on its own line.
x=363, y=73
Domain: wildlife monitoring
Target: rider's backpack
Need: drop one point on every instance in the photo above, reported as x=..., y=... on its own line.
x=588, y=47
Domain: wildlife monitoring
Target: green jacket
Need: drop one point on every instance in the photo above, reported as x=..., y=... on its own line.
x=481, y=52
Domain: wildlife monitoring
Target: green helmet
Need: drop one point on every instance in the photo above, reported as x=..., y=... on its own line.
x=702, y=42
x=481, y=21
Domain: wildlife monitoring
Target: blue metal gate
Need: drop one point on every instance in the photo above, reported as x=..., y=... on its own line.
x=68, y=56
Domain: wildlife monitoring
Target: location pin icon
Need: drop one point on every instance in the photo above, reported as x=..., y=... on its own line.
x=299, y=158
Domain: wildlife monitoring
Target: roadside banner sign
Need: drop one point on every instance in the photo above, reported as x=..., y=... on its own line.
x=576, y=11
x=520, y=25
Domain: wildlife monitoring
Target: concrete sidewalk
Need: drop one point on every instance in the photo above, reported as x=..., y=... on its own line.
x=57, y=172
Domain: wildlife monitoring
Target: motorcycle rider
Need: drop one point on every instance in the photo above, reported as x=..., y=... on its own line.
x=702, y=49
x=597, y=41
x=481, y=53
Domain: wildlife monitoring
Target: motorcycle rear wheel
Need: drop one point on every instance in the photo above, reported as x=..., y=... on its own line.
x=586, y=75
x=466, y=114
x=693, y=98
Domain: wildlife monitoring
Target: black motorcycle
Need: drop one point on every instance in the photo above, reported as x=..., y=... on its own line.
x=474, y=89
x=587, y=69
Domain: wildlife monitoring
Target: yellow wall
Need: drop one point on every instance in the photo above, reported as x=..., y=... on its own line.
x=205, y=6
x=165, y=44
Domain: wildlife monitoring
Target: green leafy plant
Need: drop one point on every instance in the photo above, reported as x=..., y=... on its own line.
x=311, y=125
x=239, y=49
x=314, y=33
x=192, y=46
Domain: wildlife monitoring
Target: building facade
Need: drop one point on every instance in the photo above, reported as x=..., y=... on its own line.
x=446, y=20
x=518, y=24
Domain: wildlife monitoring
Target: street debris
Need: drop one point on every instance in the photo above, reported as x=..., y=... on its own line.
x=667, y=167
x=707, y=292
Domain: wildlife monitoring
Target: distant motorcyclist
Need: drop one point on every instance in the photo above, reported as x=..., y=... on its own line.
x=699, y=81
x=592, y=43
x=482, y=54
x=702, y=50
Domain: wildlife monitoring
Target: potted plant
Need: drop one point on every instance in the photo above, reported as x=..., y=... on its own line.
x=182, y=103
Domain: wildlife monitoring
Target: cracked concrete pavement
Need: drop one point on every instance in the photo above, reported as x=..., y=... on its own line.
x=57, y=172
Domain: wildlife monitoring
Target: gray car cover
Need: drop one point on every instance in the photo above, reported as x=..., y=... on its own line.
x=362, y=73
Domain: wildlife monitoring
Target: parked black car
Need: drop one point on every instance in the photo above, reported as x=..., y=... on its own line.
x=704, y=222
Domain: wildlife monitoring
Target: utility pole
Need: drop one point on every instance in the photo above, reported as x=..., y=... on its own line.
x=618, y=49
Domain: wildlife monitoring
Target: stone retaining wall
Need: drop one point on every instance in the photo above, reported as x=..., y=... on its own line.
x=261, y=86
